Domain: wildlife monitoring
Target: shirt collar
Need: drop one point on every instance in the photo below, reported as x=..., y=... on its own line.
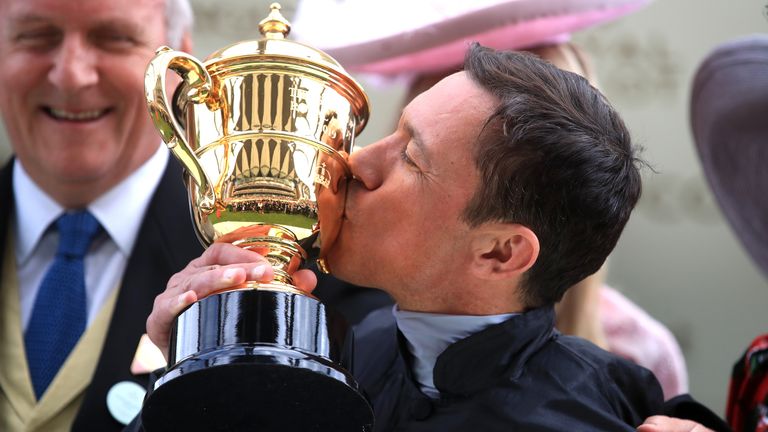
x=120, y=210
x=35, y=212
x=434, y=332
x=429, y=334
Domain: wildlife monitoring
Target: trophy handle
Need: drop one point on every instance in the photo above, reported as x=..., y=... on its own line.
x=199, y=81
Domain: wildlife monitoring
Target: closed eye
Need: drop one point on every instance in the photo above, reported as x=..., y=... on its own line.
x=38, y=39
x=113, y=39
x=406, y=158
x=413, y=166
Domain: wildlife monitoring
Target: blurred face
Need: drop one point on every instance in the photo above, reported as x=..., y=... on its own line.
x=72, y=90
x=402, y=230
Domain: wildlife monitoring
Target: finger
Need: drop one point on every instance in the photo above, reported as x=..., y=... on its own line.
x=164, y=311
x=222, y=278
x=225, y=254
x=655, y=424
x=305, y=280
x=213, y=264
x=244, y=232
x=670, y=424
x=196, y=282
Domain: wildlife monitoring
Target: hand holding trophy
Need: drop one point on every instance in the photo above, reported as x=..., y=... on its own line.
x=262, y=129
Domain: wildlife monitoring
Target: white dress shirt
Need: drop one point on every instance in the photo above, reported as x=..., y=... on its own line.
x=120, y=211
x=428, y=335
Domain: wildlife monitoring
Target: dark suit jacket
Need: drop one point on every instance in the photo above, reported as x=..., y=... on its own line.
x=165, y=244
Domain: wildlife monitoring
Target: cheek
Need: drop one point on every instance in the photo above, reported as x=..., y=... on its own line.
x=17, y=85
x=127, y=90
x=132, y=122
x=123, y=76
x=403, y=235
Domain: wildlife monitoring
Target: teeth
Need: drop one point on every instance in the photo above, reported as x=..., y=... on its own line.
x=77, y=116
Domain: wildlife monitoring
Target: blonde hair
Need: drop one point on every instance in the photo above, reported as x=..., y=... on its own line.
x=568, y=57
x=565, y=56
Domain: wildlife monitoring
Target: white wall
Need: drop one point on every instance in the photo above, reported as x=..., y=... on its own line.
x=678, y=259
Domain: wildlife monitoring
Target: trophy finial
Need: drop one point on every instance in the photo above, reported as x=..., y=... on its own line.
x=275, y=26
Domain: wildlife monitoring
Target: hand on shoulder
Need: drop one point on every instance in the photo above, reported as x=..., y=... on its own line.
x=670, y=424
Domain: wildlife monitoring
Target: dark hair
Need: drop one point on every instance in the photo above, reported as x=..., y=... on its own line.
x=557, y=158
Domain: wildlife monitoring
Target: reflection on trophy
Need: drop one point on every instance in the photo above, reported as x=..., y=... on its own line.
x=263, y=129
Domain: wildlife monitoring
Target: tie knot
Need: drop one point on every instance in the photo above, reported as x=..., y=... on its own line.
x=76, y=232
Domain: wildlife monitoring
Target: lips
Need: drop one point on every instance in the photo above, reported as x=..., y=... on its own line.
x=76, y=116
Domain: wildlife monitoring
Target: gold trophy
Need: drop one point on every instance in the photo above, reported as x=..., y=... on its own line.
x=262, y=129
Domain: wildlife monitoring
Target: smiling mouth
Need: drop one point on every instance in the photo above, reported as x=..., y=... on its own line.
x=72, y=116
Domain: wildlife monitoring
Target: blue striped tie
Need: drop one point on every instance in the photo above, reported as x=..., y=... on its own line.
x=59, y=315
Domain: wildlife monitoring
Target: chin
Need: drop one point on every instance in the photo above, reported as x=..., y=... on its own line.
x=340, y=269
x=84, y=171
x=337, y=268
x=69, y=171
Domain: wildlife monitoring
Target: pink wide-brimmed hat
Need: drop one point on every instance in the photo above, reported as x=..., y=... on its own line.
x=729, y=117
x=413, y=36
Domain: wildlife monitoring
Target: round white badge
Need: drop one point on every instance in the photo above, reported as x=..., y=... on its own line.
x=124, y=401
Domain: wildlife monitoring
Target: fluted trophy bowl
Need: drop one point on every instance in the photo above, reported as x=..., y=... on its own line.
x=263, y=129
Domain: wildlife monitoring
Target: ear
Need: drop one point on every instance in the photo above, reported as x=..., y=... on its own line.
x=503, y=251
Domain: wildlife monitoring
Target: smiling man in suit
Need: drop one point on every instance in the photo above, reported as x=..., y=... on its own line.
x=73, y=302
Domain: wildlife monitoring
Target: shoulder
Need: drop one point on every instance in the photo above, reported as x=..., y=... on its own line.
x=631, y=391
x=570, y=381
x=583, y=355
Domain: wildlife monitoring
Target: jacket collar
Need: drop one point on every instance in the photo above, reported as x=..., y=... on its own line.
x=497, y=352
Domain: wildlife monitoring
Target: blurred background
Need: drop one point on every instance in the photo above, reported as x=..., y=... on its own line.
x=678, y=258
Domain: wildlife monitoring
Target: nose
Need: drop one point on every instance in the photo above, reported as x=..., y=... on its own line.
x=368, y=164
x=74, y=65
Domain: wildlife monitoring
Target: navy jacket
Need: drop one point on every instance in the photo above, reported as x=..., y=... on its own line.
x=519, y=375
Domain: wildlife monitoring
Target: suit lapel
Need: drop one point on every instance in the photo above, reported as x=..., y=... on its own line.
x=6, y=206
x=165, y=244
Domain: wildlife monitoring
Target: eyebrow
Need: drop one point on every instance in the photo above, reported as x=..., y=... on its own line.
x=19, y=21
x=120, y=25
x=26, y=18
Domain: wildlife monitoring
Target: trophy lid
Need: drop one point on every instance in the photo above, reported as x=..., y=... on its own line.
x=275, y=50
